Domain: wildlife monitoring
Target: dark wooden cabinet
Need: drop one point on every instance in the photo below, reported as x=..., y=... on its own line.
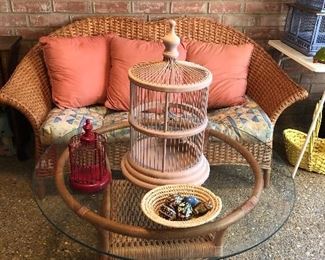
x=9, y=54
x=9, y=51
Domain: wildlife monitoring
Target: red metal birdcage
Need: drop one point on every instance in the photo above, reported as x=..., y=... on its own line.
x=89, y=168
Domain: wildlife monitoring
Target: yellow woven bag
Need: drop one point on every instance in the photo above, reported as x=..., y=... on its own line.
x=314, y=156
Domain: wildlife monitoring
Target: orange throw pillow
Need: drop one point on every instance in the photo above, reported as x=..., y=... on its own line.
x=229, y=67
x=124, y=54
x=78, y=68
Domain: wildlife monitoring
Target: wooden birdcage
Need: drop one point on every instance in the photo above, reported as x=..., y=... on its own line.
x=168, y=117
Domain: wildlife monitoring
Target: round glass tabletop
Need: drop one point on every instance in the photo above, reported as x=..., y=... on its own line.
x=232, y=182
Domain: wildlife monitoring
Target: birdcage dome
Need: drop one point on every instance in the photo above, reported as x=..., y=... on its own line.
x=170, y=76
x=168, y=117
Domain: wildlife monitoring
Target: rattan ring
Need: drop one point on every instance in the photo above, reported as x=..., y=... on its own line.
x=142, y=232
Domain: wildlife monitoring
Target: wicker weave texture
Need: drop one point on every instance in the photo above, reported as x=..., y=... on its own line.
x=313, y=159
x=139, y=248
x=29, y=90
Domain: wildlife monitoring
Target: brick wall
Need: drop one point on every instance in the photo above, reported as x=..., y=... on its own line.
x=259, y=19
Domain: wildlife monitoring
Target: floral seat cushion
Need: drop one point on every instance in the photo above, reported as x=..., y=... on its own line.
x=249, y=118
x=247, y=122
x=60, y=122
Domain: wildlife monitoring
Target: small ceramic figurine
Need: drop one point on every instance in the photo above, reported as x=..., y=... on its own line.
x=167, y=212
x=184, y=211
x=192, y=200
x=202, y=208
x=174, y=200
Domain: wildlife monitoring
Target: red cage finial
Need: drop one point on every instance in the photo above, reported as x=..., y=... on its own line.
x=89, y=135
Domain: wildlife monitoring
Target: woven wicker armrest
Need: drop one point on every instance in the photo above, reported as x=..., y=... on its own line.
x=270, y=87
x=28, y=89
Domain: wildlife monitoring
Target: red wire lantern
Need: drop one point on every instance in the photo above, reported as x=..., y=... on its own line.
x=89, y=171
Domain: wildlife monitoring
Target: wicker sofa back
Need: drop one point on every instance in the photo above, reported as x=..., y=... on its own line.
x=29, y=89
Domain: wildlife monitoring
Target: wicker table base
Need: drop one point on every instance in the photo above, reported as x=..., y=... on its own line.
x=124, y=195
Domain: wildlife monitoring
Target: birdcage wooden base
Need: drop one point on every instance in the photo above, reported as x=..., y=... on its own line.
x=149, y=179
x=96, y=185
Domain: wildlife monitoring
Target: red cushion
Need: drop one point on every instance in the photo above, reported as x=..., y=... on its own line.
x=229, y=67
x=78, y=68
x=124, y=54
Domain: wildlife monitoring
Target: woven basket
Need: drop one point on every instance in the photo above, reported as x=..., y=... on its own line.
x=153, y=200
x=314, y=157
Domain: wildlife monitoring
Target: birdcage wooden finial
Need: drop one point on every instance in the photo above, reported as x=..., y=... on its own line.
x=171, y=41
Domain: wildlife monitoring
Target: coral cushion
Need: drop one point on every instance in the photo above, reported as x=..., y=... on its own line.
x=229, y=66
x=78, y=69
x=124, y=54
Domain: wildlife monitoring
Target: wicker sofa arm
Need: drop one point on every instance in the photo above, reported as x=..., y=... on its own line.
x=28, y=89
x=270, y=87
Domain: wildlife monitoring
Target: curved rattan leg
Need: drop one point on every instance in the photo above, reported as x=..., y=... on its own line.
x=38, y=147
x=219, y=242
x=267, y=177
x=39, y=188
x=103, y=240
x=104, y=234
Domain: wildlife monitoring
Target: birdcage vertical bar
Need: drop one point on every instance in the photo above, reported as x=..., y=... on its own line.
x=165, y=130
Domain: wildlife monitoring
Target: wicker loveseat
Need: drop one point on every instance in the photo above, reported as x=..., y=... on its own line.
x=29, y=89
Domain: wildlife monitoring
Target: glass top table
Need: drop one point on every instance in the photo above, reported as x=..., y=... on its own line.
x=250, y=214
